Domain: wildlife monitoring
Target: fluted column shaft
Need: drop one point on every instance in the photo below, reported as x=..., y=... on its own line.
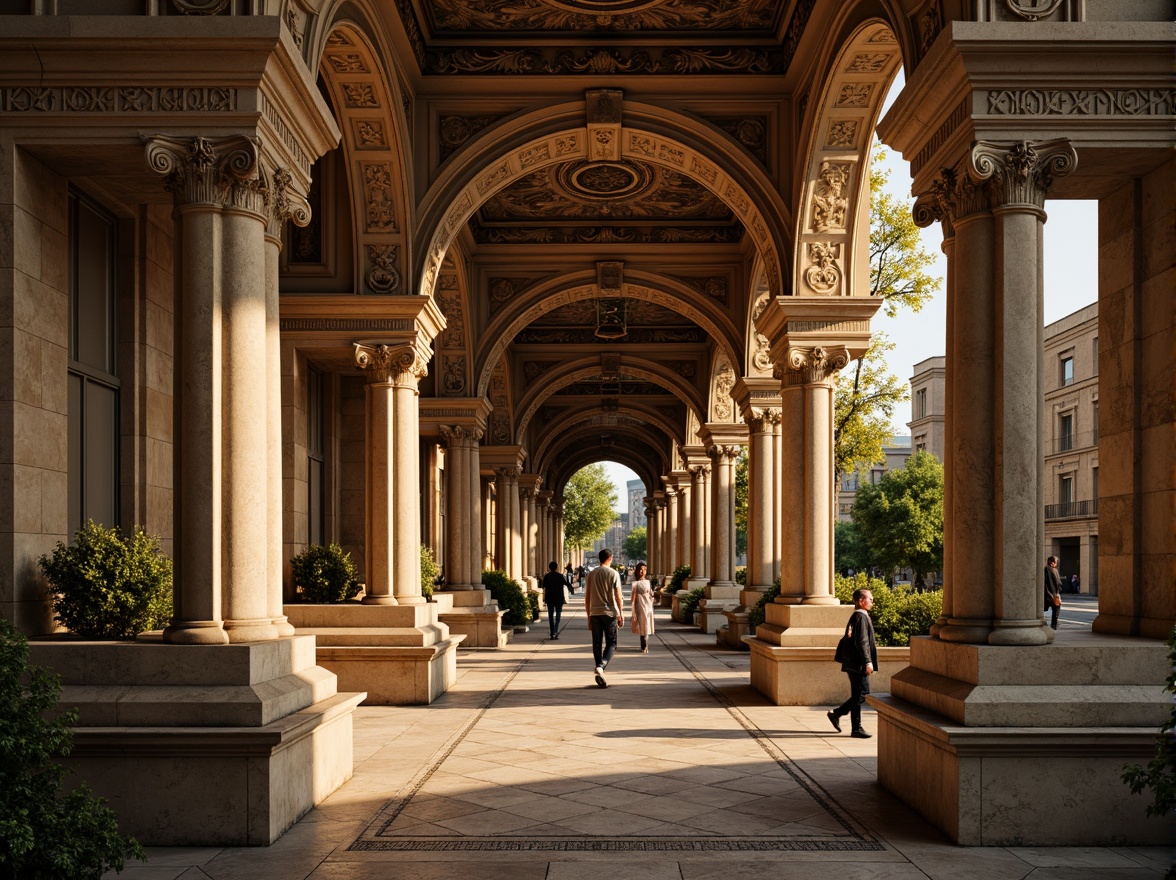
x=651, y=546
x=462, y=530
x=723, y=515
x=489, y=526
x=790, y=477
x=700, y=517
x=761, y=493
x=671, y=530
x=685, y=526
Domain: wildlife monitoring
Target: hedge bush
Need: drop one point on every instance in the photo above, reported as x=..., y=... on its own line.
x=741, y=575
x=757, y=614
x=689, y=602
x=325, y=574
x=44, y=833
x=899, y=613
x=676, y=579
x=429, y=571
x=509, y=596
x=533, y=600
x=107, y=586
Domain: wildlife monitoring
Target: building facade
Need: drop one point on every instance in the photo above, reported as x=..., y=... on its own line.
x=928, y=406
x=895, y=455
x=1071, y=447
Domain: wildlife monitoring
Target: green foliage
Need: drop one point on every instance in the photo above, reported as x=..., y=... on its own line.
x=324, y=574
x=107, y=586
x=850, y=549
x=901, y=517
x=44, y=834
x=533, y=600
x=635, y=544
x=866, y=396
x=1160, y=773
x=757, y=614
x=741, y=479
x=689, y=602
x=509, y=596
x=741, y=575
x=899, y=613
x=590, y=501
x=429, y=571
x=678, y=577
x=864, y=399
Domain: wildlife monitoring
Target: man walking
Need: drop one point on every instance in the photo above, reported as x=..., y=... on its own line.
x=554, y=590
x=859, y=665
x=603, y=603
x=1053, y=590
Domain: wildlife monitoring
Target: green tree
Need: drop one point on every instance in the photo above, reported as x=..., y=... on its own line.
x=590, y=501
x=867, y=394
x=902, y=517
x=741, y=503
x=850, y=549
x=635, y=544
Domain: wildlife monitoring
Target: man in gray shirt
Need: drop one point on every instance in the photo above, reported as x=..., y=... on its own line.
x=604, y=605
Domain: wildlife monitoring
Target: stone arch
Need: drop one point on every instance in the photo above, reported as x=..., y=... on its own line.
x=374, y=127
x=831, y=257
x=635, y=416
x=529, y=142
x=562, y=469
x=586, y=368
x=550, y=295
x=453, y=365
x=720, y=405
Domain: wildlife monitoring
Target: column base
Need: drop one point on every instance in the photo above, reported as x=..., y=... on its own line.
x=721, y=597
x=1004, y=746
x=399, y=654
x=731, y=634
x=204, y=746
x=477, y=617
x=808, y=676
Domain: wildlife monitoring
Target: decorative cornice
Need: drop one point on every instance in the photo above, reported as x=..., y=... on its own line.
x=219, y=172
x=1022, y=172
x=1082, y=102
x=117, y=99
x=390, y=364
x=359, y=325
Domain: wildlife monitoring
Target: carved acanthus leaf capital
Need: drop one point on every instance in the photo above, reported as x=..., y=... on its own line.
x=1022, y=173
x=283, y=202
x=763, y=419
x=508, y=473
x=722, y=452
x=808, y=366
x=700, y=472
x=390, y=363
x=217, y=172
x=460, y=435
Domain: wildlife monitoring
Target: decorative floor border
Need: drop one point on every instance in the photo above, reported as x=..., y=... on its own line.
x=372, y=838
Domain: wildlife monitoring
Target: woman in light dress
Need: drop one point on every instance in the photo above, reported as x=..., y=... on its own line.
x=642, y=602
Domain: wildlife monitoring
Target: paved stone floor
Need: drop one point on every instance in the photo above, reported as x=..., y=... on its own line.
x=526, y=770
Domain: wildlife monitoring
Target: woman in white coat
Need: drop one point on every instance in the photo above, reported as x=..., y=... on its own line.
x=641, y=599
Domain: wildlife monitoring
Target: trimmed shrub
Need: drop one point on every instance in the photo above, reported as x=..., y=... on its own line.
x=533, y=600
x=324, y=574
x=741, y=575
x=678, y=577
x=108, y=587
x=44, y=833
x=688, y=603
x=509, y=596
x=899, y=613
x=428, y=572
x=757, y=614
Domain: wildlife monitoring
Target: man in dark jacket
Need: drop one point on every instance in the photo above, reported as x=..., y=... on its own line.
x=859, y=665
x=553, y=596
x=1053, y=590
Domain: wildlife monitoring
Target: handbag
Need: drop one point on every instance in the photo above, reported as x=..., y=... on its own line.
x=1057, y=600
x=844, y=650
x=567, y=595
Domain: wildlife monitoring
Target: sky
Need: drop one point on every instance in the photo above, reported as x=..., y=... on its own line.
x=1071, y=283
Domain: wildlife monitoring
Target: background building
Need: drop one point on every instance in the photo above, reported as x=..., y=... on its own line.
x=636, y=492
x=928, y=405
x=896, y=453
x=1071, y=446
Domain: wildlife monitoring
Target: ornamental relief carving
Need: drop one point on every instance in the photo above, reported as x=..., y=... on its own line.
x=751, y=132
x=460, y=435
x=383, y=276
x=360, y=96
x=369, y=134
x=722, y=406
x=453, y=375
x=1082, y=102
x=454, y=130
x=202, y=171
x=829, y=200
x=116, y=99
x=809, y=366
x=854, y=94
x=386, y=364
x=449, y=300
x=1024, y=171
x=842, y=134
x=823, y=276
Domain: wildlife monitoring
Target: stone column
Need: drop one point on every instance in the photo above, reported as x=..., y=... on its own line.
x=462, y=538
x=221, y=447
x=282, y=203
x=700, y=517
x=790, y=478
x=761, y=496
x=489, y=525
x=672, y=521
x=723, y=516
x=651, y=549
x=561, y=549
x=392, y=473
x=685, y=523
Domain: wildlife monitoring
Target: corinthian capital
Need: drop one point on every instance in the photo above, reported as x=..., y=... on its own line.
x=761, y=420
x=1022, y=173
x=953, y=196
x=460, y=435
x=810, y=366
x=216, y=172
x=282, y=202
x=390, y=364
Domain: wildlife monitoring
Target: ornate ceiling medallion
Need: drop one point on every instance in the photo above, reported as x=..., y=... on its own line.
x=605, y=181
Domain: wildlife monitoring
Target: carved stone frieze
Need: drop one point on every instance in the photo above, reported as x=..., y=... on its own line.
x=202, y=171
x=357, y=325
x=117, y=99
x=1082, y=102
x=607, y=234
x=390, y=363
x=829, y=199
x=869, y=62
x=842, y=134
x=453, y=375
x=854, y=94
x=722, y=406
x=383, y=276
x=449, y=301
x=360, y=96
x=369, y=134
x=381, y=207
x=1022, y=172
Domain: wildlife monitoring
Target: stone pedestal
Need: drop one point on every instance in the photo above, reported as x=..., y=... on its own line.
x=399, y=654
x=714, y=606
x=792, y=656
x=1011, y=746
x=210, y=745
x=477, y=617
